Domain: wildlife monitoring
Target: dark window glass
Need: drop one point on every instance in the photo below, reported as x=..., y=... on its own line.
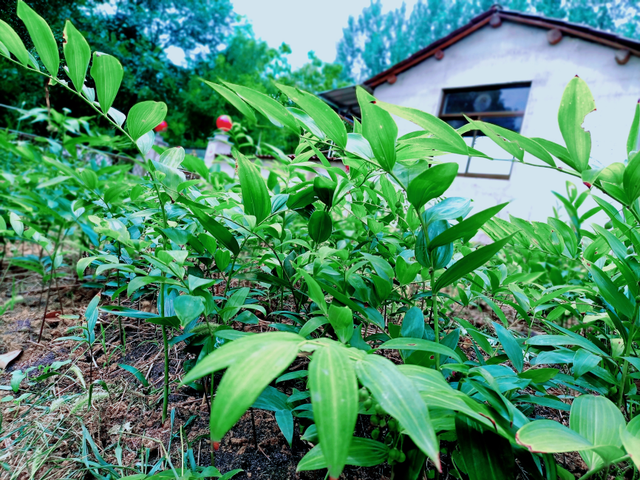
x=503, y=106
x=505, y=99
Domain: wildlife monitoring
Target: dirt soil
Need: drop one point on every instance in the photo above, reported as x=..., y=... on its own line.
x=128, y=416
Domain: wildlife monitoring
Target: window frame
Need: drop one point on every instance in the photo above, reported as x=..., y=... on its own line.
x=480, y=116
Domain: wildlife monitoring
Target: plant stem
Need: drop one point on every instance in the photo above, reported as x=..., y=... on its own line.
x=625, y=370
x=436, y=315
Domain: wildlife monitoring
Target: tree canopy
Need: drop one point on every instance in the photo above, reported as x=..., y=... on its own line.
x=376, y=40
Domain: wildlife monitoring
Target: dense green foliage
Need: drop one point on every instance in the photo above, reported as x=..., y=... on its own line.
x=376, y=39
x=368, y=277
x=138, y=34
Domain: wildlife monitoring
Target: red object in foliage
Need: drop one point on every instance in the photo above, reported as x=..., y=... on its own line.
x=224, y=123
x=586, y=184
x=162, y=127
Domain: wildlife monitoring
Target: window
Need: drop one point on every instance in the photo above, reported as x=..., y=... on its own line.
x=502, y=105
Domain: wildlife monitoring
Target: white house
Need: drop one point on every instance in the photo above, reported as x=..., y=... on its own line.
x=511, y=68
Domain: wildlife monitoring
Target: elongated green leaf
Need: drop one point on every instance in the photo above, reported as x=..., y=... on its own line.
x=510, y=346
x=255, y=196
x=611, y=294
x=431, y=183
x=508, y=145
x=548, y=436
x=631, y=178
x=323, y=115
x=234, y=100
x=469, y=263
x=216, y=229
x=487, y=455
x=399, y=397
x=140, y=282
x=144, y=117
x=363, y=452
x=466, y=228
x=247, y=377
x=420, y=344
x=558, y=340
x=42, y=37
x=136, y=373
x=334, y=395
x=631, y=440
x=13, y=43
x=315, y=292
x=107, y=74
x=341, y=319
x=267, y=106
x=633, y=140
x=558, y=151
x=77, y=53
x=584, y=362
x=599, y=421
x=432, y=124
x=577, y=102
x=380, y=130
x=235, y=351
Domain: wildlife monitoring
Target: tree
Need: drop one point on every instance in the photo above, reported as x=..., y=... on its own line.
x=377, y=40
x=138, y=33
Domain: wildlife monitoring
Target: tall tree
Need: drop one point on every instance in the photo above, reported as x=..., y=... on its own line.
x=376, y=40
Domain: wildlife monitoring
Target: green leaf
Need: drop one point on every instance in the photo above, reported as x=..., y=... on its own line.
x=107, y=74
x=315, y=292
x=432, y=124
x=558, y=151
x=631, y=440
x=216, y=229
x=13, y=43
x=466, y=228
x=136, y=373
x=631, y=178
x=42, y=37
x=363, y=452
x=406, y=272
x=548, y=436
x=334, y=395
x=234, y=100
x=341, y=319
x=633, y=140
x=412, y=323
x=469, y=263
x=267, y=106
x=487, y=455
x=420, y=344
x=144, y=117
x=599, y=421
x=577, y=102
x=380, y=130
x=611, y=294
x=431, y=183
x=324, y=116
x=510, y=346
x=188, y=308
x=255, y=196
x=320, y=226
x=584, y=362
x=250, y=372
x=399, y=397
x=140, y=282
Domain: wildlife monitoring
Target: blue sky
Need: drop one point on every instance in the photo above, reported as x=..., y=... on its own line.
x=305, y=24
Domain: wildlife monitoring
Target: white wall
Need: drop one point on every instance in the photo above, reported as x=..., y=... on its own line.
x=517, y=53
